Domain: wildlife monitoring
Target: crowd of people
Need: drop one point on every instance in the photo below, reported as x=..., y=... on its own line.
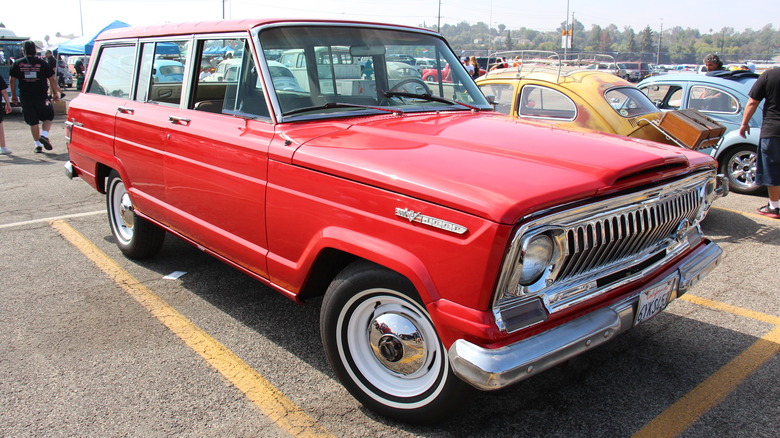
x=35, y=83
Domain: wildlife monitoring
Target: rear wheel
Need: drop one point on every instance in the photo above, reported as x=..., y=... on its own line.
x=739, y=165
x=384, y=348
x=136, y=237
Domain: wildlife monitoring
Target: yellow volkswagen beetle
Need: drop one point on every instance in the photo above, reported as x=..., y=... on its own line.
x=543, y=88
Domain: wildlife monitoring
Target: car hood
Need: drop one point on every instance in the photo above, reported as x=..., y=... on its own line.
x=489, y=165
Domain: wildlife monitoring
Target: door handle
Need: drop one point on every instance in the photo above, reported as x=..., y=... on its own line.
x=125, y=110
x=179, y=120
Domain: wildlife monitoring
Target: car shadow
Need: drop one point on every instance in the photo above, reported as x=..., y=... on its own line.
x=726, y=226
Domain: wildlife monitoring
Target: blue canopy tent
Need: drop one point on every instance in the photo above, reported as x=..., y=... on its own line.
x=83, y=45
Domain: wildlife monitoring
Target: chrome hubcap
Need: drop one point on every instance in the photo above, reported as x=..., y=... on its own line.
x=126, y=210
x=397, y=343
x=743, y=169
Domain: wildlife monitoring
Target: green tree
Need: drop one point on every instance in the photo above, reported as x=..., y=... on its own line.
x=646, y=40
x=594, y=42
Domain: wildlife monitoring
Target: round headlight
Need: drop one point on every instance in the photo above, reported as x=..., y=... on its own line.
x=536, y=258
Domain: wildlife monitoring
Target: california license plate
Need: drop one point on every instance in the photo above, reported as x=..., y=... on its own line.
x=654, y=299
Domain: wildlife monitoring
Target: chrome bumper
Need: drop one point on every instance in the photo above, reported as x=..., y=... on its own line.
x=489, y=369
x=70, y=171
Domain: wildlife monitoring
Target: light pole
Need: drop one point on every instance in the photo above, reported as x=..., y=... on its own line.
x=658, y=53
x=81, y=18
x=438, y=23
x=566, y=32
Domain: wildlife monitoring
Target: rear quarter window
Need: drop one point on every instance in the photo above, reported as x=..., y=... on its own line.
x=114, y=72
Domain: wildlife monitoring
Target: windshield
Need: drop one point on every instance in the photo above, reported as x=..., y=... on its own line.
x=343, y=71
x=629, y=102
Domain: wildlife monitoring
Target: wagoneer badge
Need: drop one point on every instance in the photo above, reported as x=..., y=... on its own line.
x=414, y=216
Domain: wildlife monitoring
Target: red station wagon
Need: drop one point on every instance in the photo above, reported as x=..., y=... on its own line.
x=455, y=247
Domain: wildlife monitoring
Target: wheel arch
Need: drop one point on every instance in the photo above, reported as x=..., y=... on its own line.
x=336, y=249
x=101, y=175
x=723, y=151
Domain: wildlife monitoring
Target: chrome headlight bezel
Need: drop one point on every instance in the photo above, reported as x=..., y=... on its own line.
x=543, y=247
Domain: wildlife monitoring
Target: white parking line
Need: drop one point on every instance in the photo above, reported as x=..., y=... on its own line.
x=49, y=219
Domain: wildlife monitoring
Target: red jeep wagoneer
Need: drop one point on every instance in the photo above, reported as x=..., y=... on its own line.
x=455, y=247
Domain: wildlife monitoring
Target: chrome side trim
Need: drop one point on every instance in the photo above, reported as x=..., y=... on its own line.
x=490, y=369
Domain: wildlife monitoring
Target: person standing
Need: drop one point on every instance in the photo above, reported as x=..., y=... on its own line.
x=767, y=88
x=713, y=63
x=51, y=60
x=6, y=103
x=35, y=76
x=474, y=67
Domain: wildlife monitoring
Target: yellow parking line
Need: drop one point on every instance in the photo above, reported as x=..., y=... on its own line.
x=268, y=398
x=731, y=309
x=682, y=414
x=679, y=416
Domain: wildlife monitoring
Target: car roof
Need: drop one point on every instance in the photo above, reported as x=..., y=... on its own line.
x=580, y=78
x=207, y=27
x=731, y=79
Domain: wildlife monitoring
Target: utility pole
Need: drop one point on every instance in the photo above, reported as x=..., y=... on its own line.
x=658, y=52
x=438, y=23
x=566, y=35
x=81, y=18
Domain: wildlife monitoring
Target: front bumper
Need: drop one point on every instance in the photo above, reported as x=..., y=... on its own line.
x=490, y=369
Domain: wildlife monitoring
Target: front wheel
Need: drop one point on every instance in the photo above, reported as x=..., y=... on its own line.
x=384, y=348
x=136, y=237
x=739, y=165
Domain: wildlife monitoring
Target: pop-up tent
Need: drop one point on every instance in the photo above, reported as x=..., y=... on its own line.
x=83, y=45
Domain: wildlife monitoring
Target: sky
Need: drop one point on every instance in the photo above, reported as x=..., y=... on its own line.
x=38, y=18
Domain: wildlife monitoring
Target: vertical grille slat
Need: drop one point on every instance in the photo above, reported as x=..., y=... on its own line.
x=608, y=240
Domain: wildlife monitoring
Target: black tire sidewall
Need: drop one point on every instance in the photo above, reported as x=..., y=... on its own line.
x=355, y=280
x=147, y=238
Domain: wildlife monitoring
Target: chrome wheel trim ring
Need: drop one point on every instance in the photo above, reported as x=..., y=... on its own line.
x=394, y=385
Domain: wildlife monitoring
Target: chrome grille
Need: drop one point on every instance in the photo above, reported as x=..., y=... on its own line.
x=600, y=246
x=622, y=235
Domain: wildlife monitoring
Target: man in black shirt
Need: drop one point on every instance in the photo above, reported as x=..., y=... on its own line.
x=51, y=60
x=35, y=77
x=767, y=88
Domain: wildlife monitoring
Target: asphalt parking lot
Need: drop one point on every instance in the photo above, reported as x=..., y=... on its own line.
x=94, y=344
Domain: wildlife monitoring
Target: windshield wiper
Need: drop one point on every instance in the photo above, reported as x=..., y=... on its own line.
x=331, y=105
x=428, y=97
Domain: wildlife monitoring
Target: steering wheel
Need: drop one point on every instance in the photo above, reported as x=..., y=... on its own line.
x=412, y=85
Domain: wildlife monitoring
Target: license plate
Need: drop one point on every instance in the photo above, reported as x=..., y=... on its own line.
x=653, y=300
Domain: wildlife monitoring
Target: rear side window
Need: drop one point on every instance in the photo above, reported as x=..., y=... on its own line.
x=712, y=100
x=114, y=72
x=227, y=81
x=543, y=102
x=167, y=75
